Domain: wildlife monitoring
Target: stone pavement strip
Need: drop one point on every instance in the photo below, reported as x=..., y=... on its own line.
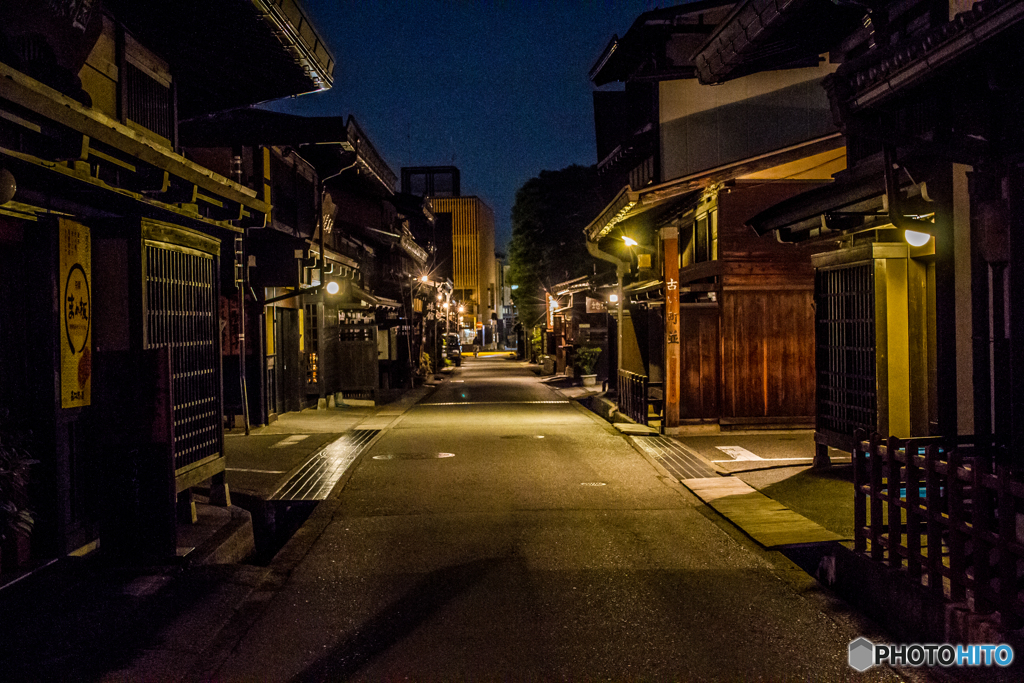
x=768, y=522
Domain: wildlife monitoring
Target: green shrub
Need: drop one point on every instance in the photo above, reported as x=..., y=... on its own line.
x=585, y=359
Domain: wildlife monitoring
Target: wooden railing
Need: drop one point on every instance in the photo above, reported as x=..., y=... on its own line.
x=633, y=396
x=944, y=511
x=638, y=396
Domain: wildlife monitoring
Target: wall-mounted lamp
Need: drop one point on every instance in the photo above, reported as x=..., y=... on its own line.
x=332, y=287
x=614, y=298
x=630, y=242
x=915, y=238
x=8, y=186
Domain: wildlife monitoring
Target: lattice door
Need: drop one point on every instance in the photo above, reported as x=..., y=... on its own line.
x=180, y=295
x=845, y=340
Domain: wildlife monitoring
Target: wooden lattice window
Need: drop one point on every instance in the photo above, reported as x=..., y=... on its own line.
x=181, y=313
x=148, y=102
x=845, y=341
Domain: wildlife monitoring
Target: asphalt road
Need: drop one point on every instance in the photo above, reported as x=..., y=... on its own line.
x=499, y=532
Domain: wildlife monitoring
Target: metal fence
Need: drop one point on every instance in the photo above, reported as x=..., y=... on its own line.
x=948, y=512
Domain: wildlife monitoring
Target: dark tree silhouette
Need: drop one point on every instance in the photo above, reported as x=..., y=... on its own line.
x=548, y=245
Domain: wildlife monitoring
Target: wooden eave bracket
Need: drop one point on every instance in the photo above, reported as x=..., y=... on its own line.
x=51, y=104
x=187, y=210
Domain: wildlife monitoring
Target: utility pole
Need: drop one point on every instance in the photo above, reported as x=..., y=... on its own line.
x=240, y=283
x=241, y=267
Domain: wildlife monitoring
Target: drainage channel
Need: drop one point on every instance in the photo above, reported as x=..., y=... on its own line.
x=276, y=519
x=318, y=476
x=674, y=457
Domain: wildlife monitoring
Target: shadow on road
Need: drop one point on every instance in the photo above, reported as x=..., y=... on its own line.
x=398, y=620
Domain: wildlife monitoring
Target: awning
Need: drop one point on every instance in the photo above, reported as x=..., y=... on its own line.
x=802, y=216
x=629, y=203
x=271, y=49
x=418, y=253
x=372, y=300
x=647, y=290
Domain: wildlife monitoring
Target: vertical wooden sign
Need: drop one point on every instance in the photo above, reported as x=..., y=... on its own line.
x=670, y=250
x=75, y=283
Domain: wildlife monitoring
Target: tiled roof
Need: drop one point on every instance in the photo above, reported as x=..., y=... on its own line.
x=899, y=66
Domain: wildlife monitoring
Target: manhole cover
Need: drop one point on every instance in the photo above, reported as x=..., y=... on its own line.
x=412, y=456
x=593, y=483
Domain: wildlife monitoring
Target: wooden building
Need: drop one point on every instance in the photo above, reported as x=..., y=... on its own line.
x=111, y=262
x=317, y=345
x=719, y=316
x=920, y=322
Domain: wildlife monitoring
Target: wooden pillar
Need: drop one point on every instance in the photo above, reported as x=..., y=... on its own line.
x=670, y=252
x=940, y=187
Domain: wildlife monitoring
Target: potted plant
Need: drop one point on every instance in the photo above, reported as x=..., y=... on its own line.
x=583, y=364
x=16, y=519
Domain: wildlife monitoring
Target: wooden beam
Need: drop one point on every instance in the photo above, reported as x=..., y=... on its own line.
x=31, y=94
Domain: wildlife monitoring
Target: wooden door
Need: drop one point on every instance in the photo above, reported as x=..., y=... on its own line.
x=291, y=365
x=698, y=362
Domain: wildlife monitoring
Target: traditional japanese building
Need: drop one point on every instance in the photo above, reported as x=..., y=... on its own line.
x=918, y=260
x=112, y=263
x=721, y=319
x=336, y=219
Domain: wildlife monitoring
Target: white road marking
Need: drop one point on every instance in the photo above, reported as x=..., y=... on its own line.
x=739, y=454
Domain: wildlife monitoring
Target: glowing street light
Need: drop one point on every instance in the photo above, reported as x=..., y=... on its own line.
x=630, y=242
x=332, y=287
x=614, y=298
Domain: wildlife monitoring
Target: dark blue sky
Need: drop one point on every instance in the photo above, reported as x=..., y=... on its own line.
x=500, y=89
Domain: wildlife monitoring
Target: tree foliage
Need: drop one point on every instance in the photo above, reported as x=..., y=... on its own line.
x=548, y=246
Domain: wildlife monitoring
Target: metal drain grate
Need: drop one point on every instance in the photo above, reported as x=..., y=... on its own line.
x=674, y=457
x=318, y=476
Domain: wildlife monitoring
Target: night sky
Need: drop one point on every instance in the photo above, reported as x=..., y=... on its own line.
x=499, y=89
